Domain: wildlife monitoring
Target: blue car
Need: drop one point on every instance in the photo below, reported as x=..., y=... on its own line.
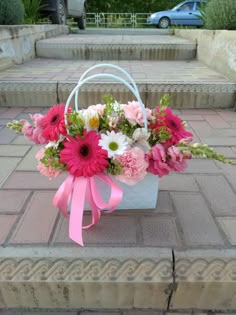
x=185, y=13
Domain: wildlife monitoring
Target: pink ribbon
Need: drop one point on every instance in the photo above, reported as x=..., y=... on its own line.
x=78, y=189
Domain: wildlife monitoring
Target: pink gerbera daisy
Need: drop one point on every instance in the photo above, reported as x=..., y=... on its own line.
x=53, y=123
x=176, y=127
x=83, y=156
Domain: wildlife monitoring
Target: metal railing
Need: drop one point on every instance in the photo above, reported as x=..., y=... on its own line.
x=121, y=20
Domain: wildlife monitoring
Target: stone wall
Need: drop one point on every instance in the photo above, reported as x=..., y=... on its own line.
x=17, y=42
x=216, y=48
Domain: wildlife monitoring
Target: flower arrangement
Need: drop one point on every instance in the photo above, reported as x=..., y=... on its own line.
x=110, y=139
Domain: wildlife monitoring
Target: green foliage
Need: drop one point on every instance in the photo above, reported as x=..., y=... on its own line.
x=11, y=12
x=132, y=6
x=203, y=151
x=220, y=14
x=16, y=126
x=32, y=11
x=165, y=100
x=52, y=159
x=75, y=124
x=202, y=11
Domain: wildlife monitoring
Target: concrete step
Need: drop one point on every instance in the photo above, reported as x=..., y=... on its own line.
x=108, y=46
x=115, y=279
x=124, y=31
x=44, y=82
x=5, y=63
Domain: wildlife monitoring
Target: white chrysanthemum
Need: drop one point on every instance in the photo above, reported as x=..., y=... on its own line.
x=140, y=139
x=91, y=119
x=113, y=143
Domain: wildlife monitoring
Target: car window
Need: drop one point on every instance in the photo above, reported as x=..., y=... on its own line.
x=188, y=6
x=200, y=4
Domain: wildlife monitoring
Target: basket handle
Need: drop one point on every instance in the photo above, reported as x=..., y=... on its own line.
x=103, y=65
x=106, y=75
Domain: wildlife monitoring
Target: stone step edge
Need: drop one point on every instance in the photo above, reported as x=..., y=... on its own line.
x=114, y=278
x=122, y=51
x=183, y=95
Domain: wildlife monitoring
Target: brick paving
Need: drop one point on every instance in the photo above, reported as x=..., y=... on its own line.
x=196, y=209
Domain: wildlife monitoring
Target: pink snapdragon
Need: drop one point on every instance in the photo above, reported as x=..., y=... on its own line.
x=134, y=166
x=134, y=114
x=32, y=133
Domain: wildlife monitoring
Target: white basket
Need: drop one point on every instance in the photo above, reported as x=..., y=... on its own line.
x=144, y=194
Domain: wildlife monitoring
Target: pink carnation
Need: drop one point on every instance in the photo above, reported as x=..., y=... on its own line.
x=158, y=161
x=134, y=166
x=177, y=162
x=133, y=113
x=46, y=171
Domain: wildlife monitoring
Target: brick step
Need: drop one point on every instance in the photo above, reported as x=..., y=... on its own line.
x=116, y=47
x=44, y=82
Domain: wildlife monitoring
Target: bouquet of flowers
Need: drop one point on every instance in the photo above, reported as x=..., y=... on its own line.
x=110, y=140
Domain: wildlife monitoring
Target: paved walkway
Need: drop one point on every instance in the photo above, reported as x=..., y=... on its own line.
x=172, y=253
x=196, y=209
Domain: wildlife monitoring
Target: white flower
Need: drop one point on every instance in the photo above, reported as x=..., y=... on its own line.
x=113, y=143
x=116, y=106
x=140, y=139
x=55, y=144
x=113, y=121
x=91, y=119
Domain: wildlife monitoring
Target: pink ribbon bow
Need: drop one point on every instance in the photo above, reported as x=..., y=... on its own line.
x=79, y=189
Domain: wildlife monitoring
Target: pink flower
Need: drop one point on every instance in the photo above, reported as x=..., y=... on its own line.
x=46, y=171
x=133, y=113
x=186, y=140
x=174, y=123
x=38, y=120
x=98, y=108
x=134, y=166
x=32, y=133
x=54, y=123
x=37, y=136
x=83, y=156
x=177, y=162
x=158, y=161
x=27, y=130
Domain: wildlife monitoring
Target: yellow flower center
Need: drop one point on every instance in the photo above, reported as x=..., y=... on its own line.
x=94, y=122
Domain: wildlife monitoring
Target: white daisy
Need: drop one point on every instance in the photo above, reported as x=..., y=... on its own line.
x=114, y=143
